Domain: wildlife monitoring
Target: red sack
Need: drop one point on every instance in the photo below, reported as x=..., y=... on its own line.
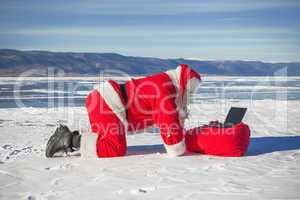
x=229, y=142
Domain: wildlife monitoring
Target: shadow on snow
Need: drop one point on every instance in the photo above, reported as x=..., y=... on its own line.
x=258, y=146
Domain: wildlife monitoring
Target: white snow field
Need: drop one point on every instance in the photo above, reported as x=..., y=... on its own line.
x=270, y=170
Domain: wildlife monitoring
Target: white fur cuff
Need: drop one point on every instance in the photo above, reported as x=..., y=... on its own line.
x=176, y=149
x=88, y=145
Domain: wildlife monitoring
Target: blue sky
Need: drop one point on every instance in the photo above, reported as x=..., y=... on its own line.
x=204, y=29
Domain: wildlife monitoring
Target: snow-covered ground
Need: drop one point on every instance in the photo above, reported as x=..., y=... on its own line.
x=270, y=170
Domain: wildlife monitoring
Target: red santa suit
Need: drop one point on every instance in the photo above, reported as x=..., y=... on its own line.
x=159, y=99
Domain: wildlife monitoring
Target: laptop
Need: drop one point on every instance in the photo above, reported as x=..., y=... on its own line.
x=234, y=116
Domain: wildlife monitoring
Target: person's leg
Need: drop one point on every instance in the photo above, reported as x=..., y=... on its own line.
x=111, y=132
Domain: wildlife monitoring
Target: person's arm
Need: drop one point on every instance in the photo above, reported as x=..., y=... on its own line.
x=167, y=119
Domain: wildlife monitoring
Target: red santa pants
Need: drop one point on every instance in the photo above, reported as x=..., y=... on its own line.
x=111, y=141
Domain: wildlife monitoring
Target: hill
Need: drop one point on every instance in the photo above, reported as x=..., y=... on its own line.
x=15, y=62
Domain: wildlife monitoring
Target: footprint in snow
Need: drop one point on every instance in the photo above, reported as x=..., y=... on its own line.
x=143, y=190
x=56, y=181
x=236, y=187
x=62, y=166
x=13, y=152
x=7, y=146
x=218, y=166
x=295, y=156
x=44, y=195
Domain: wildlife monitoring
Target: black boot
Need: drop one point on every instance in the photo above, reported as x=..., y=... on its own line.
x=76, y=140
x=63, y=140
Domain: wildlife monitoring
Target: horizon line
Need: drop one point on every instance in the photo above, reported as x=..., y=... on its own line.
x=163, y=58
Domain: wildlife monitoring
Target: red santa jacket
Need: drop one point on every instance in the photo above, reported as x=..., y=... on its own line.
x=159, y=99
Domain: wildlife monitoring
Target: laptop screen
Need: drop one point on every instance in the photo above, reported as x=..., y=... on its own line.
x=235, y=115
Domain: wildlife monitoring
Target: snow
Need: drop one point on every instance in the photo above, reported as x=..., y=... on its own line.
x=270, y=170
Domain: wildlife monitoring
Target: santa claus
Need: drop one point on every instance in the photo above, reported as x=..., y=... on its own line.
x=161, y=99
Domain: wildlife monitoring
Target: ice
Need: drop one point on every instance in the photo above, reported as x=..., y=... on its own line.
x=270, y=170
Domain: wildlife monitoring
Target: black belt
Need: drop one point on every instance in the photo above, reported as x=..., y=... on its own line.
x=124, y=95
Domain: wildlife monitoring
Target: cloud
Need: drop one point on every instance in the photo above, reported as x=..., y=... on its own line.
x=161, y=28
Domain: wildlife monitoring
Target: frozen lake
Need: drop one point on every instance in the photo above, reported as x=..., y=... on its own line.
x=71, y=91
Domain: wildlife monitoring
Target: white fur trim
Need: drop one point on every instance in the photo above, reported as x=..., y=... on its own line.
x=192, y=85
x=174, y=75
x=112, y=98
x=175, y=149
x=88, y=145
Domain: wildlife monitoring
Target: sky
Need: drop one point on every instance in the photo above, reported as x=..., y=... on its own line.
x=203, y=29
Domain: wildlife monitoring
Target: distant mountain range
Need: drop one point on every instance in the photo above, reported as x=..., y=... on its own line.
x=15, y=62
